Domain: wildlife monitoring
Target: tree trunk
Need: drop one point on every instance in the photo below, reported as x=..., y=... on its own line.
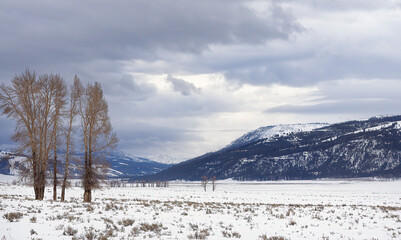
x=63, y=186
x=63, y=191
x=35, y=175
x=87, y=195
x=55, y=173
x=67, y=158
x=87, y=181
x=36, y=189
x=87, y=184
x=41, y=193
x=39, y=186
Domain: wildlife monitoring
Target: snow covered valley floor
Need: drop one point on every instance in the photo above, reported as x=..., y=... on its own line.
x=339, y=209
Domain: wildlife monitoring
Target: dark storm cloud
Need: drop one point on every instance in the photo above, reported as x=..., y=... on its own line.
x=48, y=32
x=182, y=86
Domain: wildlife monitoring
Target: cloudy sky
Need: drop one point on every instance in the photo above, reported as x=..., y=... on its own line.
x=186, y=77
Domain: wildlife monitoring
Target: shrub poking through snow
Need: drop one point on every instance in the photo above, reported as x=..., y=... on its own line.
x=202, y=234
x=33, y=219
x=154, y=227
x=13, y=216
x=265, y=237
x=69, y=231
x=90, y=234
x=126, y=222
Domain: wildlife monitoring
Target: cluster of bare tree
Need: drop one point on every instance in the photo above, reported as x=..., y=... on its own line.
x=144, y=183
x=118, y=183
x=205, y=181
x=46, y=111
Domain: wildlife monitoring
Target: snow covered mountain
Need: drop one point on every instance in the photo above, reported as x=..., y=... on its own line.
x=365, y=148
x=270, y=132
x=166, y=159
x=127, y=165
x=121, y=164
x=10, y=163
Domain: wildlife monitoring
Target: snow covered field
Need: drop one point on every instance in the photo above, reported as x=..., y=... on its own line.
x=337, y=209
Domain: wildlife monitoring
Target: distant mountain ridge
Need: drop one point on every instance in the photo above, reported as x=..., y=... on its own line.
x=274, y=131
x=127, y=165
x=122, y=165
x=364, y=148
x=166, y=159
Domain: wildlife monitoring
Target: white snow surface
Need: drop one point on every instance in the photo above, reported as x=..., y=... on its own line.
x=324, y=209
x=7, y=178
x=270, y=132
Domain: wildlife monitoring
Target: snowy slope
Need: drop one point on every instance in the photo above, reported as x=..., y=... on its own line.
x=270, y=132
x=10, y=164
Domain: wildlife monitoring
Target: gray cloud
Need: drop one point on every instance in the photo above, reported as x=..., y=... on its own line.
x=182, y=86
x=311, y=70
x=360, y=107
x=337, y=42
x=344, y=5
x=7, y=129
x=127, y=88
x=168, y=108
x=148, y=139
x=40, y=33
x=353, y=97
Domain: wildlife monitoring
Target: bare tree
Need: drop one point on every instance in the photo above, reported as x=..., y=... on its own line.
x=37, y=105
x=97, y=136
x=52, y=92
x=31, y=102
x=59, y=105
x=213, y=179
x=20, y=102
x=205, y=180
x=75, y=94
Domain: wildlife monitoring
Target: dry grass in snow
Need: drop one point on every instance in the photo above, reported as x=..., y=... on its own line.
x=256, y=210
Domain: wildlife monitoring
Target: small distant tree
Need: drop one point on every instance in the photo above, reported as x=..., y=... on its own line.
x=205, y=180
x=213, y=179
